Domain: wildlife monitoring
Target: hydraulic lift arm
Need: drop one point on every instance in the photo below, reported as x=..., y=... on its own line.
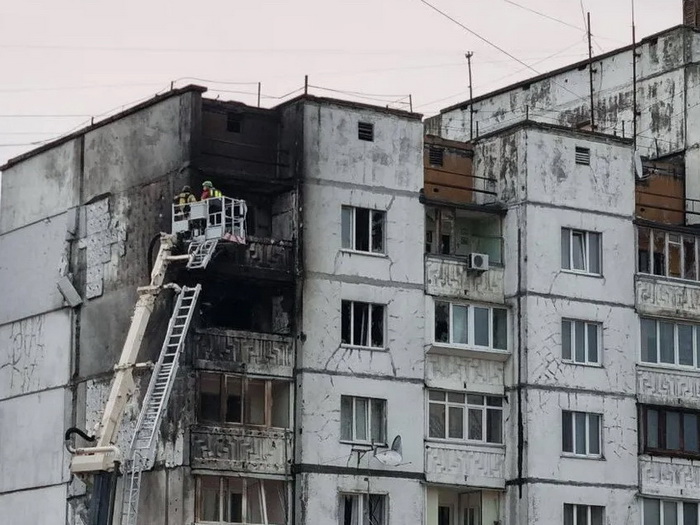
x=104, y=454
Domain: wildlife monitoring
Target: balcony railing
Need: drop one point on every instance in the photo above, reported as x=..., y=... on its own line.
x=260, y=254
x=465, y=465
x=252, y=351
x=669, y=477
x=242, y=449
x=447, y=276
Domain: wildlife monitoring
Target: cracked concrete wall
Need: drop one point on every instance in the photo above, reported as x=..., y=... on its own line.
x=564, y=98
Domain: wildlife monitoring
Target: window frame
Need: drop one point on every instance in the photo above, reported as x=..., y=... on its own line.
x=587, y=350
x=353, y=230
x=224, y=491
x=471, y=325
x=650, y=253
x=587, y=453
x=589, y=514
x=680, y=509
x=371, y=309
x=466, y=407
x=245, y=382
x=368, y=420
x=661, y=449
x=363, y=498
x=695, y=327
x=567, y=266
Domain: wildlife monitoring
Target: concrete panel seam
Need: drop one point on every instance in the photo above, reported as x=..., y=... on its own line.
x=352, y=279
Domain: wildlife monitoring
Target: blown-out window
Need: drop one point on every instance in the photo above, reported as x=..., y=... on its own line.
x=223, y=499
x=363, y=229
x=363, y=509
x=362, y=324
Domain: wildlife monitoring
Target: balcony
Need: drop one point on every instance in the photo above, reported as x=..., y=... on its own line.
x=260, y=258
x=666, y=386
x=243, y=351
x=449, y=276
x=669, y=477
x=474, y=465
x=242, y=449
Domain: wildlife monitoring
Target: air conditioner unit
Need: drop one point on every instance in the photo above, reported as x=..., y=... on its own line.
x=478, y=262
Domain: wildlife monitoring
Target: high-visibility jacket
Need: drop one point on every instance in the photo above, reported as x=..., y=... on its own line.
x=185, y=197
x=210, y=193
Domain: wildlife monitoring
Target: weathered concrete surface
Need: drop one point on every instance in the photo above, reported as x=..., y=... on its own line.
x=31, y=269
x=32, y=452
x=35, y=353
x=669, y=477
x=457, y=373
x=657, y=385
x=450, y=277
x=41, y=187
x=669, y=298
x=474, y=465
x=31, y=506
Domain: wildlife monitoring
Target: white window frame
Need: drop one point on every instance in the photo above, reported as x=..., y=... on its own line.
x=586, y=341
x=589, y=514
x=676, y=344
x=470, y=326
x=362, y=504
x=368, y=420
x=587, y=423
x=371, y=313
x=465, y=406
x=353, y=230
x=586, y=251
x=680, y=509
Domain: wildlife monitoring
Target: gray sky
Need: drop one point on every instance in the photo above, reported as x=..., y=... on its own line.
x=77, y=57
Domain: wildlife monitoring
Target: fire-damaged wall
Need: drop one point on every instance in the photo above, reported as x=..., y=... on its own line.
x=76, y=223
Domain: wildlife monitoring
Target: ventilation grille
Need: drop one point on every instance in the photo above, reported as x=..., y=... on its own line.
x=365, y=131
x=583, y=156
x=435, y=155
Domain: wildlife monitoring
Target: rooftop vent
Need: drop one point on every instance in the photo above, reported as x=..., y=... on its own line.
x=583, y=156
x=435, y=155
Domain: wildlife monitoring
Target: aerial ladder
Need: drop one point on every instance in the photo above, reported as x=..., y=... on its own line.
x=201, y=225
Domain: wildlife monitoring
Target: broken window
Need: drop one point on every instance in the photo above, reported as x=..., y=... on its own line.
x=669, y=343
x=362, y=229
x=671, y=431
x=363, y=509
x=362, y=324
x=362, y=419
x=227, y=398
x=444, y=515
x=580, y=341
x=668, y=512
x=583, y=514
x=472, y=325
x=365, y=131
x=465, y=417
x=461, y=232
x=580, y=251
x=667, y=254
x=241, y=500
x=581, y=433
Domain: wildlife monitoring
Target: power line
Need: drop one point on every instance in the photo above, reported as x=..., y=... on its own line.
x=544, y=15
x=43, y=116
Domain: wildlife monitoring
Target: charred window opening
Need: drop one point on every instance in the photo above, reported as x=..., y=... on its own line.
x=241, y=500
x=365, y=131
x=362, y=229
x=436, y=155
x=364, y=509
x=362, y=324
x=246, y=305
x=583, y=156
x=225, y=399
x=234, y=122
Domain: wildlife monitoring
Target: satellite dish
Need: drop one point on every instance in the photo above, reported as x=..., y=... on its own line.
x=391, y=457
x=639, y=171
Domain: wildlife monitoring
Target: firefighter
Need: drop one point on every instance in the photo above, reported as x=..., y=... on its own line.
x=213, y=196
x=209, y=191
x=182, y=201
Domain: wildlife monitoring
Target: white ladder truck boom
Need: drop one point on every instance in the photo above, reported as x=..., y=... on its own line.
x=202, y=224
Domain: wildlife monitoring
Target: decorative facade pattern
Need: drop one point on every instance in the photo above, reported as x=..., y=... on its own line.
x=273, y=255
x=672, y=477
x=264, y=451
x=255, y=352
x=449, y=277
x=454, y=372
x=657, y=296
x=668, y=387
x=465, y=465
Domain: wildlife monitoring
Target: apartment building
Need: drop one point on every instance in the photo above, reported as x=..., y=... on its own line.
x=413, y=325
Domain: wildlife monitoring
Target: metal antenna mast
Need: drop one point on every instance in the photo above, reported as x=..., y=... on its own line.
x=469, y=56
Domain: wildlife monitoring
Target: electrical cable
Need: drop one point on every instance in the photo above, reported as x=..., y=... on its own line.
x=544, y=15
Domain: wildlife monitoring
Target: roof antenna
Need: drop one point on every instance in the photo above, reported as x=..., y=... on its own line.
x=469, y=55
x=634, y=81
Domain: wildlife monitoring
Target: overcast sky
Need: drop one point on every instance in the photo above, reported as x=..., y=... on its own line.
x=77, y=58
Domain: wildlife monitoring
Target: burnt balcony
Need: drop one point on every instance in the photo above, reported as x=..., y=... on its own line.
x=260, y=258
x=244, y=351
x=242, y=449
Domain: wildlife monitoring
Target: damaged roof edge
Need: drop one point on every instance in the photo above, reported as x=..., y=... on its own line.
x=591, y=135
x=129, y=111
x=350, y=104
x=559, y=71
